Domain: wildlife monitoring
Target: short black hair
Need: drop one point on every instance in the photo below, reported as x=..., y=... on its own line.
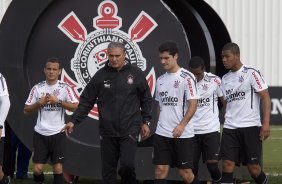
x=196, y=62
x=169, y=46
x=54, y=60
x=233, y=47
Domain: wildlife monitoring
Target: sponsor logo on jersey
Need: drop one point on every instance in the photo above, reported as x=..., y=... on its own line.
x=257, y=80
x=190, y=87
x=168, y=100
x=31, y=95
x=203, y=102
x=230, y=97
x=217, y=81
x=91, y=53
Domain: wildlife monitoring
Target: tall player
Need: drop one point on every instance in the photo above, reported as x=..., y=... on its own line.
x=4, y=109
x=243, y=131
x=49, y=98
x=177, y=96
x=205, y=120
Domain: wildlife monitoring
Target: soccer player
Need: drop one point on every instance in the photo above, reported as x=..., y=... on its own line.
x=124, y=101
x=243, y=131
x=174, y=137
x=4, y=109
x=50, y=99
x=205, y=120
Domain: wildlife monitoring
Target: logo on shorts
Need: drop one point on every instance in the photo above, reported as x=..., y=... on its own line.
x=91, y=53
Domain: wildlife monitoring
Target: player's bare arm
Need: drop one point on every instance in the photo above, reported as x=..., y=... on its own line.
x=266, y=106
x=192, y=106
x=223, y=102
x=28, y=109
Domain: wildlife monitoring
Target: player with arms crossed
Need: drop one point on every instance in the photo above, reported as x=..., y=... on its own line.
x=174, y=139
x=243, y=132
x=205, y=120
x=50, y=98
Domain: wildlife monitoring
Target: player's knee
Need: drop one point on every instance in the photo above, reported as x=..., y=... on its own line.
x=254, y=170
x=57, y=168
x=38, y=169
x=228, y=166
x=187, y=175
x=161, y=172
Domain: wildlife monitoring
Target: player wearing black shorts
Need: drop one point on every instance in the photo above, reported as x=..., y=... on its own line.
x=174, y=137
x=206, y=120
x=244, y=129
x=50, y=99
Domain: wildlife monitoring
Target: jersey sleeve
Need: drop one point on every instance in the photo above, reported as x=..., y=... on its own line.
x=219, y=91
x=257, y=81
x=3, y=86
x=32, y=97
x=191, y=89
x=157, y=98
x=70, y=97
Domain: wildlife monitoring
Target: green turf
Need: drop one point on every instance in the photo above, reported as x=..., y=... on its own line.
x=272, y=161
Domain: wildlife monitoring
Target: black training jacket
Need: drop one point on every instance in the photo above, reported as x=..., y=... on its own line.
x=119, y=96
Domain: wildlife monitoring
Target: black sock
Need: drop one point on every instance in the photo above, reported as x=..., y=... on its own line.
x=214, y=171
x=38, y=178
x=160, y=181
x=227, y=178
x=261, y=179
x=58, y=178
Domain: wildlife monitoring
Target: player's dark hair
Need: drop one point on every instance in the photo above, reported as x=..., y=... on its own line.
x=54, y=60
x=169, y=46
x=233, y=47
x=116, y=45
x=196, y=62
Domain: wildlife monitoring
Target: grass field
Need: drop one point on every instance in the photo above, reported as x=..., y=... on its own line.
x=272, y=161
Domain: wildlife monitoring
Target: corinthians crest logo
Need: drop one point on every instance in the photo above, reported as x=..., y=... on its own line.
x=91, y=53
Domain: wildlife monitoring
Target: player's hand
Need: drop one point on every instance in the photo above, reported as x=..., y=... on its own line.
x=68, y=128
x=264, y=131
x=178, y=130
x=52, y=99
x=145, y=131
x=43, y=100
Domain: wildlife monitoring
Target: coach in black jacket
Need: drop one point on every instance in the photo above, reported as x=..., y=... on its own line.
x=120, y=90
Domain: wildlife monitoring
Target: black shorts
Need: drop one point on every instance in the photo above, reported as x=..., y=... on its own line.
x=46, y=147
x=207, y=145
x=176, y=152
x=242, y=145
x=2, y=150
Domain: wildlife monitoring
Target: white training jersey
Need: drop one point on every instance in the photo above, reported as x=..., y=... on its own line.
x=240, y=92
x=3, y=92
x=205, y=119
x=172, y=92
x=51, y=117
